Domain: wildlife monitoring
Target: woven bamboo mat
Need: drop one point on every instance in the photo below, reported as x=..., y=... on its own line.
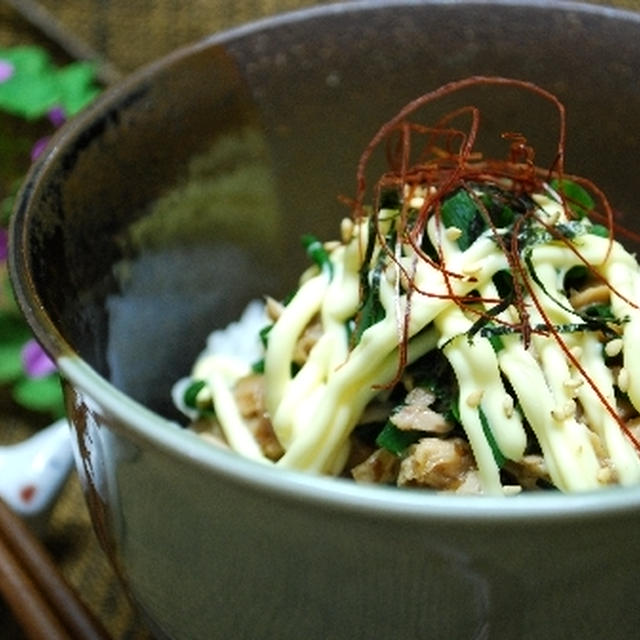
x=125, y=34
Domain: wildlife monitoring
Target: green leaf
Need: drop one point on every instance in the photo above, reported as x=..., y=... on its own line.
x=601, y=311
x=76, y=86
x=578, y=198
x=258, y=366
x=13, y=328
x=599, y=230
x=496, y=343
x=504, y=217
x=13, y=335
x=191, y=393
x=498, y=456
x=371, y=310
x=10, y=362
x=504, y=283
x=316, y=251
x=28, y=59
x=396, y=440
x=40, y=394
x=461, y=211
x=31, y=90
x=264, y=334
x=37, y=84
x=575, y=277
x=483, y=321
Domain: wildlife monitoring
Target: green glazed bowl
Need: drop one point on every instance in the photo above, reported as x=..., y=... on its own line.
x=182, y=194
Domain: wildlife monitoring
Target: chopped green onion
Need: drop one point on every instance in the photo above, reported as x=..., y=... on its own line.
x=396, y=440
x=190, y=396
x=258, y=367
x=461, y=211
x=599, y=230
x=578, y=198
x=264, y=334
x=371, y=310
x=497, y=343
x=503, y=280
x=498, y=456
x=317, y=252
x=575, y=277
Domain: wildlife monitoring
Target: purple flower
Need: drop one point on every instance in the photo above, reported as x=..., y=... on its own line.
x=36, y=363
x=4, y=242
x=6, y=70
x=57, y=116
x=39, y=147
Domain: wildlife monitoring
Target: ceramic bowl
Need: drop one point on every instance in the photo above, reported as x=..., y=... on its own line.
x=180, y=195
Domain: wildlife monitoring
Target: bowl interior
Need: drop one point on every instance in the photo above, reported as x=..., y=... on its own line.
x=183, y=193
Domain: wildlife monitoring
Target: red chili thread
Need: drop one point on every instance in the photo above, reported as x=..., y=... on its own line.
x=446, y=163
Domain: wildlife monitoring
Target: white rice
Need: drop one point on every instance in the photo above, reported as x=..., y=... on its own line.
x=238, y=341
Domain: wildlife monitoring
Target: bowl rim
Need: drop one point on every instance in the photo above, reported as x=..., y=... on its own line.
x=148, y=428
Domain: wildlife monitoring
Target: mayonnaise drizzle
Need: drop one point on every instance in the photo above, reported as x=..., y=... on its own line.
x=314, y=411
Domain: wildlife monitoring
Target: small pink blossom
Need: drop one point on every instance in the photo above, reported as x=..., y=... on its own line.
x=36, y=363
x=6, y=70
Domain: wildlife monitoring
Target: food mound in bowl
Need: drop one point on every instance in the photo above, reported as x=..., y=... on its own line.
x=473, y=330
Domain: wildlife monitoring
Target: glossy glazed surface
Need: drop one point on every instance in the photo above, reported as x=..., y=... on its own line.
x=141, y=230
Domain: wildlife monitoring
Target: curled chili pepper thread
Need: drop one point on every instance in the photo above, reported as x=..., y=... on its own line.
x=447, y=162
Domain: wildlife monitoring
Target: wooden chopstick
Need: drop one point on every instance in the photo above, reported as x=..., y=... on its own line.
x=29, y=607
x=42, y=601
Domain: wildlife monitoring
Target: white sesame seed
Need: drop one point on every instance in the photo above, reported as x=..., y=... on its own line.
x=511, y=489
x=573, y=384
x=613, y=347
x=453, y=233
x=507, y=405
x=346, y=230
x=474, y=398
x=604, y=475
x=623, y=379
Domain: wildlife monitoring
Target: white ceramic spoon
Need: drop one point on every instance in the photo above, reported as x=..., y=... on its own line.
x=32, y=472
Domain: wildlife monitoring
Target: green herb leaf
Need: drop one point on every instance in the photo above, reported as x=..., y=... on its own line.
x=371, y=310
x=599, y=230
x=483, y=320
x=601, y=311
x=264, y=334
x=461, y=211
x=498, y=456
x=578, y=198
x=316, y=251
x=396, y=440
x=504, y=283
x=258, y=367
x=190, y=396
x=575, y=277
x=496, y=343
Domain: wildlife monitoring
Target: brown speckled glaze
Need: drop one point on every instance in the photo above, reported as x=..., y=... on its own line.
x=126, y=250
